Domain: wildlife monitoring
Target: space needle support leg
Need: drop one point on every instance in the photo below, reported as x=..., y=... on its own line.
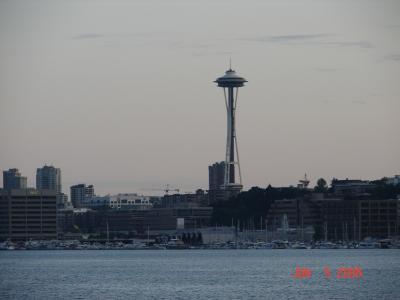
x=232, y=135
x=236, y=143
x=226, y=169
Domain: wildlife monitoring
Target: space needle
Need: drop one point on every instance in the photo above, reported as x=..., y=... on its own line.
x=231, y=82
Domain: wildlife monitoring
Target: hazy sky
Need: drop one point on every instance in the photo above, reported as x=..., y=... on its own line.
x=120, y=94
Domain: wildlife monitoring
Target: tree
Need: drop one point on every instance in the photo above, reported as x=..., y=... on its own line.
x=321, y=186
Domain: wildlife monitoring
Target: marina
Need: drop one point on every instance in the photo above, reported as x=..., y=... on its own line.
x=176, y=244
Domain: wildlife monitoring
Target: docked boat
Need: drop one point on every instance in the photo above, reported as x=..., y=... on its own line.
x=298, y=246
x=326, y=245
x=176, y=244
x=368, y=245
x=279, y=244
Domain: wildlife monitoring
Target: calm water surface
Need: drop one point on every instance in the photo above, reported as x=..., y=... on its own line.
x=196, y=274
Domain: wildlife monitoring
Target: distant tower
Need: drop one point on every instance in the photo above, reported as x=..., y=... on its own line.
x=231, y=83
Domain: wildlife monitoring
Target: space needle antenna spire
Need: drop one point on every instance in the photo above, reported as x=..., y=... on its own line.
x=231, y=82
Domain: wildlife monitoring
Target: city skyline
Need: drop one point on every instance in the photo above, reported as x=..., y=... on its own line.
x=126, y=102
x=121, y=127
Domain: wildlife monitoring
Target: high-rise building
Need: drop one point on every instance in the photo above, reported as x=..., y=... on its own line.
x=80, y=193
x=48, y=178
x=28, y=214
x=12, y=179
x=216, y=175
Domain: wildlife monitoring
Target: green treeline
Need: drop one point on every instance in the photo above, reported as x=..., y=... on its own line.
x=251, y=207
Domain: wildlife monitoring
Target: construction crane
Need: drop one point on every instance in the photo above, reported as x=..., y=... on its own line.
x=166, y=190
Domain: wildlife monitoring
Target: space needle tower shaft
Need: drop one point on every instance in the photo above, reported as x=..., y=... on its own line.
x=230, y=83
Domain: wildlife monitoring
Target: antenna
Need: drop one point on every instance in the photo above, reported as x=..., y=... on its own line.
x=230, y=63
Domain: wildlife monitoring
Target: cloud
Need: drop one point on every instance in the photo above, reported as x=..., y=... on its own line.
x=290, y=38
x=88, y=36
x=196, y=46
x=119, y=35
x=310, y=39
x=360, y=44
x=294, y=37
x=392, y=57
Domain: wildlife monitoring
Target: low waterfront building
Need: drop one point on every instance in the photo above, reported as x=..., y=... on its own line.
x=200, y=198
x=340, y=219
x=300, y=212
x=379, y=218
x=156, y=219
x=62, y=201
x=395, y=180
x=65, y=220
x=356, y=219
x=28, y=214
x=117, y=202
x=351, y=187
x=96, y=202
x=336, y=218
x=77, y=220
x=130, y=201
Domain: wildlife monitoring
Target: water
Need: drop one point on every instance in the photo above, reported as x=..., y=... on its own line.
x=196, y=274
